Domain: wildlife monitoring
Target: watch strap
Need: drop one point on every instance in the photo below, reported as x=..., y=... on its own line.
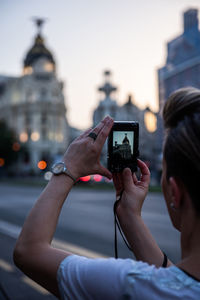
x=68, y=173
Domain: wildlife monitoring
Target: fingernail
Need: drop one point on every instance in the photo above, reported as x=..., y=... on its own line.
x=110, y=120
x=106, y=118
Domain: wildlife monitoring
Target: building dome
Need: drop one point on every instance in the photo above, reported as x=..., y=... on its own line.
x=39, y=54
x=38, y=51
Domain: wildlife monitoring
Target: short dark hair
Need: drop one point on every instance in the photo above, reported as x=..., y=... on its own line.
x=181, y=116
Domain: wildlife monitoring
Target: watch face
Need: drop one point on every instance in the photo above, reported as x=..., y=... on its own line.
x=58, y=168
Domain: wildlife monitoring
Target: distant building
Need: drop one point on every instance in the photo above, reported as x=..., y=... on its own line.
x=33, y=105
x=182, y=66
x=108, y=105
x=127, y=112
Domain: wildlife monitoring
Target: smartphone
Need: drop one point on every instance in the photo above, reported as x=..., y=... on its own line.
x=123, y=148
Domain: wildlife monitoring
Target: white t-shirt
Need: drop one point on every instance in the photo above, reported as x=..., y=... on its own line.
x=84, y=278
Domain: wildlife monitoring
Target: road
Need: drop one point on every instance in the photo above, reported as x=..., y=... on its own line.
x=85, y=225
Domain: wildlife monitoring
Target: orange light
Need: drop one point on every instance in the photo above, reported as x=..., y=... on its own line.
x=2, y=162
x=85, y=178
x=150, y=121
x=35, y=136
x=16, y=146
x=23, y=137
x=97, y=177
x=42, y=165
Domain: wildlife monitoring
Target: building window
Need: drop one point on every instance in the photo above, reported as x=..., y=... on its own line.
x=44, y=119
x=43, y=93
x=44, y=133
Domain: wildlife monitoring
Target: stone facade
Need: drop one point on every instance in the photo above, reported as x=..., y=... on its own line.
x=33, y=105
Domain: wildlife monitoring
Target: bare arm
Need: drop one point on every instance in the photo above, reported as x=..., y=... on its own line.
x=33, y=253
x=129, y=209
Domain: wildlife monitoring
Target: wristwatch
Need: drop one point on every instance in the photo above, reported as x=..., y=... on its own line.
x=60, y=168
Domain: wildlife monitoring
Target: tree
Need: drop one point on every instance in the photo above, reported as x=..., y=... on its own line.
x=9, y=146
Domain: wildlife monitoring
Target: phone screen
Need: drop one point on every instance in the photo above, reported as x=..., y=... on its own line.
x=123, y=146
x=123, y=142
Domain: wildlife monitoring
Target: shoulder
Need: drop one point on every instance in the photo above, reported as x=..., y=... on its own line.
x=109, y=264
x=99, y=278
x=118, y=278
x=165, y=283
x=75, y=263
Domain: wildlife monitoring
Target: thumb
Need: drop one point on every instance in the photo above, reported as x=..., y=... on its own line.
x=104, y=172
x=127, y=178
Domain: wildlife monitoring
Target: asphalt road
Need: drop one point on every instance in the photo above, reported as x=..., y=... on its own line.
x=85, y=227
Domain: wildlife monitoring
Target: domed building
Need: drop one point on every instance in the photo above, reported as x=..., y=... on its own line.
x=33, y=105
x=39, y=58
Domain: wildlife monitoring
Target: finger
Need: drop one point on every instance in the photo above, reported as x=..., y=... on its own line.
x=127, y=178
x=105, y=172
x=117, y=180
x=100, y=125
x=84, y=134
x=145, y=173
x=135, y=180
x=103, y=134
x=98, y=128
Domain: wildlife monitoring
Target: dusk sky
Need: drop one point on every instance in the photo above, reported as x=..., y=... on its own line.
x=87, y=37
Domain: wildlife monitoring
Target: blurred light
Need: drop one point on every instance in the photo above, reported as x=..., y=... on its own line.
x=42, y=165
x=16, y=146
x=150, y=121
x=35, y=136
x=49, y=67
x=60, y=137
x=48, y=175
x=28, y=70
x=23, y=137
x=2, y=162
x=85, y=178
x=97, y=177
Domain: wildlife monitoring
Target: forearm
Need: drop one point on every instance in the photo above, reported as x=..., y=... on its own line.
x=33, y=253
x=141, y=240
x=40, y=224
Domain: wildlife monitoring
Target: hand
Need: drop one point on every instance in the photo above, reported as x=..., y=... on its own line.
x=83, y=155
x=134, y=190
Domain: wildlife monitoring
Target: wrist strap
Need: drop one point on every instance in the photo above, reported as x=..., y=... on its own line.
x=117, y=225
x=68, y=173
x=165, y=260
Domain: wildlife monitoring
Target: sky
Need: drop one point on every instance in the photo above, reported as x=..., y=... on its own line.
x=87, y=37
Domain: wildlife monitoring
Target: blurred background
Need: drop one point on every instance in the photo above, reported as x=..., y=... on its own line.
x=64, y=65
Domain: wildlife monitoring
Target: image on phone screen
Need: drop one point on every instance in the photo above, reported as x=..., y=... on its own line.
x=123, y=142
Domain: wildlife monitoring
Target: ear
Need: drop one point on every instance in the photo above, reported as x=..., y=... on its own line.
x=176, y=191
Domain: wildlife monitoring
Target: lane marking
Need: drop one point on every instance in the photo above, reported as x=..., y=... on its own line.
x=13, y=231
x=10, y=229
x=6, y=266
x=34, y=285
